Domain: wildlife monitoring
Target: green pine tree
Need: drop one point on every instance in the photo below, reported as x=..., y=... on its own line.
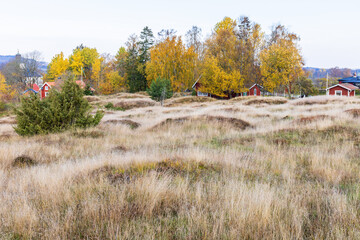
x=160, y=89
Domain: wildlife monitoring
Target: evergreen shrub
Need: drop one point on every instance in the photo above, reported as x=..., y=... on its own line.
x=60, y=111
x=160, y=89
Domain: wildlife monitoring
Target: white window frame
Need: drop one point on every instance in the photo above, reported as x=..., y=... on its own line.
x=46, y=88
x=338, y=91
x=46, y=94
x=255, y=92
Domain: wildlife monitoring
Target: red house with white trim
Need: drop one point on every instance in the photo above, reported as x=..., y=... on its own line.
x=45, y=89
x=255, y=90
x=342, y=89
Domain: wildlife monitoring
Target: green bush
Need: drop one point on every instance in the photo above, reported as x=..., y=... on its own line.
x=2, y=106
x=160, y=89
x=88, y=91
x=58, y=112
x=110, y=106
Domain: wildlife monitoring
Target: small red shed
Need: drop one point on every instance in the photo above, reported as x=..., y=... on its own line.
x=342, y=89
x=255, y=90
x=45, y=88
x=196, y=87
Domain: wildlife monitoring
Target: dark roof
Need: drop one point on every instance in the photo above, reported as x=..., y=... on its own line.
x=30, y=89
x=353, y=79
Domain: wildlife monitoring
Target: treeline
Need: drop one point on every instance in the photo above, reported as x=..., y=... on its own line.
x=236, y=55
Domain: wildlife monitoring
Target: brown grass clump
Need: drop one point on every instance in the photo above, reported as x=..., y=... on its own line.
x=304, y=120
x=88, y=134
x=234, y=122
x=186, y=100
x=354, y=112
x=92, y=98
x=131, y=95
x=8, y=120
x=266, y=100
x=120, y=149
x=135, y=103
x=174, y=167
x=23, y=161
x=130, y=123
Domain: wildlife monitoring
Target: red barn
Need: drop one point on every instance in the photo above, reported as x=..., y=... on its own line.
x=342, y=89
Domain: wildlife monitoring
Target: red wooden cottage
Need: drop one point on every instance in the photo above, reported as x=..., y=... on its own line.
x=255, y=90
x=45, y=89
x=342, y=89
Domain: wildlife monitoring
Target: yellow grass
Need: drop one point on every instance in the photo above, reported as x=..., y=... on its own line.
x=292, y=173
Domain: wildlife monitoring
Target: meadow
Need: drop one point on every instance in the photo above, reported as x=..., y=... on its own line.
x=195, y=168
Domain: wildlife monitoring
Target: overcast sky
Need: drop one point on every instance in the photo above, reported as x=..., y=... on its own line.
x=329, y=29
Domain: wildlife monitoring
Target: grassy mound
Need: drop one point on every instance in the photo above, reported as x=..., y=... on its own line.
x=234, y=122
x=174, y=167
x=134, y=103
x=23, y=161
x=266, y=100
x=354, y=112
x=130, y=123
x=186, y=100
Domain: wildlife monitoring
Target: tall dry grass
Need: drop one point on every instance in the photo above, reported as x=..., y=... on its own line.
x=282, y=177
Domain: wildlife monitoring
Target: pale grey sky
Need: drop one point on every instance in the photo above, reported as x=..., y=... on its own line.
x=329, y=29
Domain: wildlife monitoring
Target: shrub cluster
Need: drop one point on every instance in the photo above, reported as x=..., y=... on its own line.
x=60, y=111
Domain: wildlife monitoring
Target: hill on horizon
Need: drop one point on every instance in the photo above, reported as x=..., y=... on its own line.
x=4, y=59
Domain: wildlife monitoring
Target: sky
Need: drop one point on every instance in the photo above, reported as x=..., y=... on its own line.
x=329, y=29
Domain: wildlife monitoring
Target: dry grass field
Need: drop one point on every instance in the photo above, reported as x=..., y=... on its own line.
x=247, y=168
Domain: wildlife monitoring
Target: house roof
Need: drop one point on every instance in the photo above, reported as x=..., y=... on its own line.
x=35, y=87
x=30, y=90
x=255, y=85
x=353, y=79
x=347, y=86
x=79, y=82
x=193, y=86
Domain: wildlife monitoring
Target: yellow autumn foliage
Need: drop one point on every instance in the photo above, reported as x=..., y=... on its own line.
x=112, y=83
x=227, y=24
x=281, y=65
x=57, y=67
x=6, y=92
x=171, y=60
x=220, y=74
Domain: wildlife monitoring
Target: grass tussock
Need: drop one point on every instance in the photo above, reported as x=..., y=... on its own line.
x=233, y=122
x=265, y=100
x=92, y=98
x=127, y=122
x=310, y=119
x=24, y=161
x=178, y=101
x=354, y=112
x=204, y=174
x=134, y=103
